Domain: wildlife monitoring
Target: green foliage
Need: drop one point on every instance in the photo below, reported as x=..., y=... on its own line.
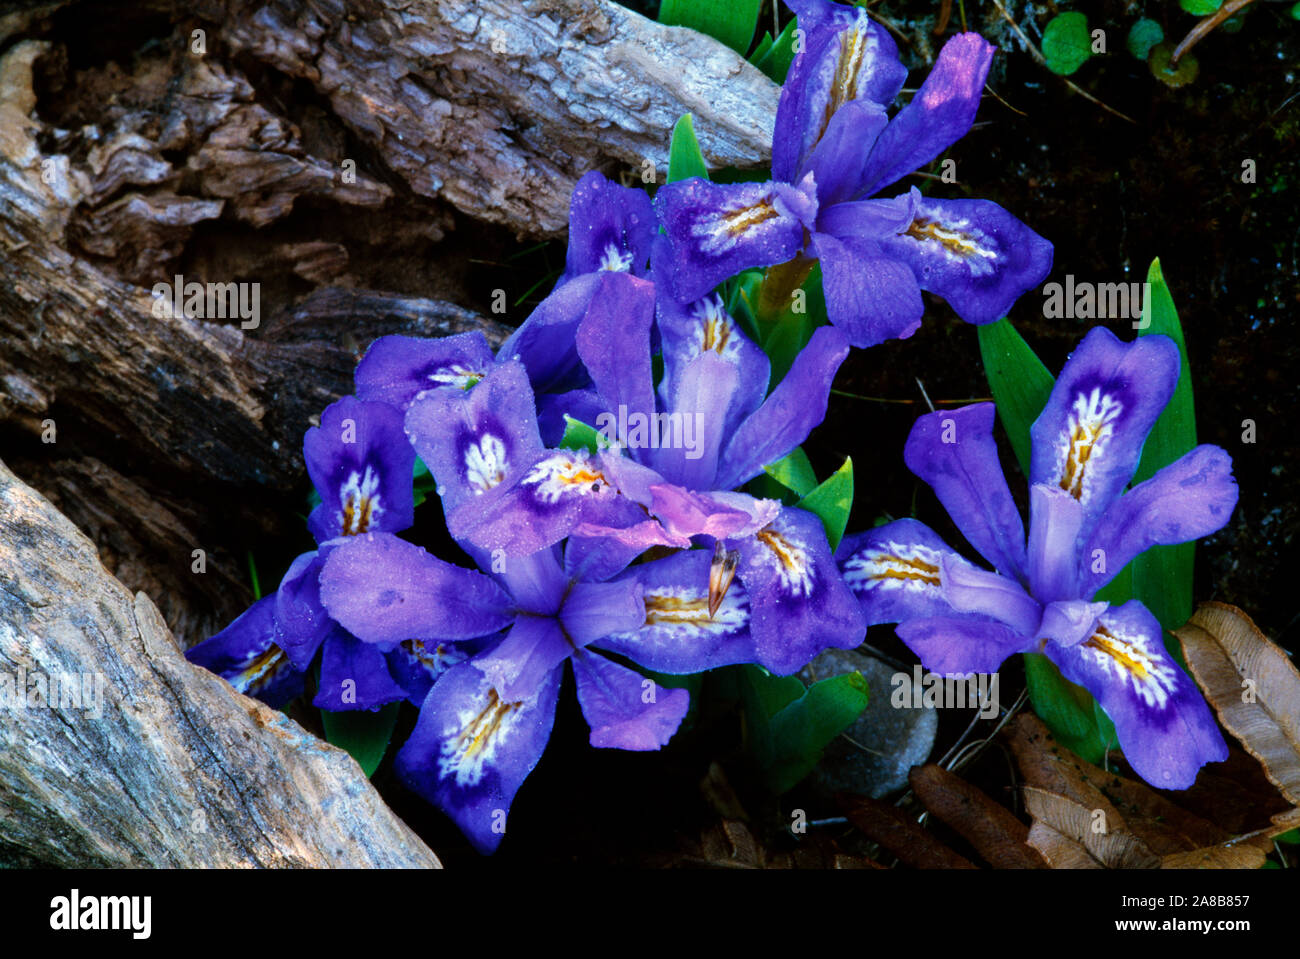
x=774, y=57
x=794, y=472
x=728, y=21
x=832, y=501
x=422, y=481
x=684, y=157
x=1171, y=76
x=1200, y=8
x=788, y=727
x=579, y=436
x=1142, y=36
x=1020, y=383
x=364, y=734
x=1067, y=45
x=1162, y=576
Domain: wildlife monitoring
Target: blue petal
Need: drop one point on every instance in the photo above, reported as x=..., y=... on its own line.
x=624, y=709
x=245, y=655
x=360, y=462
x=470, y=751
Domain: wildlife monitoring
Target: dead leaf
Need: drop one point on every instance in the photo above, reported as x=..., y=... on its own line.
x=1239, y=856
x=1252, y=684
x=889, y=827
x=1107, y=840
x=997, y=835
x=1060, y=851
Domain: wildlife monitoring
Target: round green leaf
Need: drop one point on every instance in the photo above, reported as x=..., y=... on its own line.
x=1142, y=36
x=1200, y=8
x=1067, y=43
x=1178, y=76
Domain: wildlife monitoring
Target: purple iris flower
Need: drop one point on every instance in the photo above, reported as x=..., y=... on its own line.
x=708, y=428
x=1084, y=529
x=834, y=147
x=485, y=722
x=360, y=463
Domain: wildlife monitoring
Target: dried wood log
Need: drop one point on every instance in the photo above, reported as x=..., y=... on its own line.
x=157, y=762
x=499, y=106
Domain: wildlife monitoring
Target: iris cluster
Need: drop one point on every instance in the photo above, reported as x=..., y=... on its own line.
x=642, y=552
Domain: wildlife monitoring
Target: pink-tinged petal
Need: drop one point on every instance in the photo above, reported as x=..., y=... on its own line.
x=519, y=664
x=385, y=590
x=593, y=611
x=679, y=634
x=611, y=228
x=477, y=443
x=950, y=645
x=973, y=253
x=1190, y=498
x=624, y=709
x=954, y=452
x=1089, y=437
x=397, y=369
x=938, y=115
x=1163, y=724
x=470, y=751
x=971, y=590
x=896, y=570
x=354, y=675
x=360, y=462
x=613, y=341
x=869, y=296
x=789, y=413
x=845, y=59
x=799, y=604
x=716, y=230
x=561, y=491
x=1055, y=518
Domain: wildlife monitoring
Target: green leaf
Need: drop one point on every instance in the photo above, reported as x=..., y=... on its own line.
x=728, y=21
x=788, y=726
x=1019, y=381
x=422, y=480
x=1162, y=576
x=1295, y=12
x=774, y=58
x=684, y=157
x=1161, y=67
x=363, y=734
x=579, y=436
x=1069, y=711
x=783, y=336
x=1142, y=36
x=1289, y=838
x=794, y=472
x=1067, y=45
x=832, y=501
x=1200, y=8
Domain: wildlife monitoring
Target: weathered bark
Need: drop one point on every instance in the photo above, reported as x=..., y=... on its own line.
x=175, y=768
x=499, y=106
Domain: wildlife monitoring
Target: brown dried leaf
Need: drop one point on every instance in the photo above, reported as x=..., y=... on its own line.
x=1252, y=684
x=997, y=835
x=1239, y=856
x=1163, y=826
x=1060, y=851
x=1107, y=840
x=892, y=829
